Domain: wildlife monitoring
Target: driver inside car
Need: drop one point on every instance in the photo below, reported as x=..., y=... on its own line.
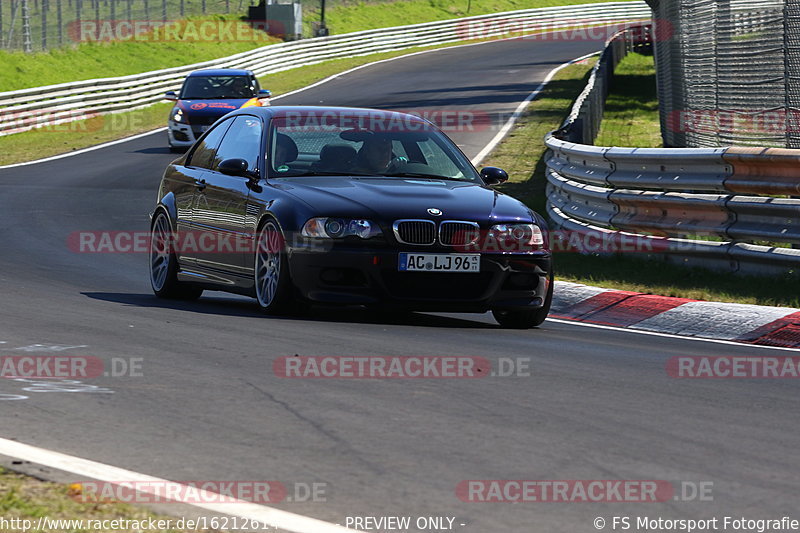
x=241, y=88
x=375, y=156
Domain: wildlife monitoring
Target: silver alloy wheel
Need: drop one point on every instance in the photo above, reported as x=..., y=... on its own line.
x=268, y=264
x=160, y=252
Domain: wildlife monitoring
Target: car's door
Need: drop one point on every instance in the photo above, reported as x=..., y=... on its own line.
x=221, y=207
x=195, y=173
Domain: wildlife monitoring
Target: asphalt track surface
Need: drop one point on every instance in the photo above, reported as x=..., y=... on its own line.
x=597, y=405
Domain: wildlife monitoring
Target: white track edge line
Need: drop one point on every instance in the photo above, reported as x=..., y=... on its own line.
x=85, y=150
x=102, y=472
x=670, y=335
x=521, y=109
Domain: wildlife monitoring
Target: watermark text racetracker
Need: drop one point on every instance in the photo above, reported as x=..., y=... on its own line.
x=477, y=241
x=399, y=367
x=560, y=30
x=198, y=492
x=144, y=31
x=68, y=367
x=582, y=491
x=734, y=367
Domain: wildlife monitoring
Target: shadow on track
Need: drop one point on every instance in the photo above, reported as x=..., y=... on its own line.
x=157, y=150
x=247, y=308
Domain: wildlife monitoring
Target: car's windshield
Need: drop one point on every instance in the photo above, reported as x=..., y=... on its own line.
x=217, y=88
x=380, y=144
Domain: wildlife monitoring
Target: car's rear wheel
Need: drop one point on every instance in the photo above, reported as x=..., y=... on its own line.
x=272, y=280
x=164, y=264
x=525, y=319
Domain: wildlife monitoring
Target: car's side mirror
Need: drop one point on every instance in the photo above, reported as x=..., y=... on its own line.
x=234, y=167
x=171, y=95
x=263, y=93
x=494, y=175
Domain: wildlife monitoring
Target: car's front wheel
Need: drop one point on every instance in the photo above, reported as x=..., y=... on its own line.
x=273, y=285
x=164, y=264
x=525, y=319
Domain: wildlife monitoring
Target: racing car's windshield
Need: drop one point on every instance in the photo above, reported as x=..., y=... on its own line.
x=379, y=144
x=218, y=88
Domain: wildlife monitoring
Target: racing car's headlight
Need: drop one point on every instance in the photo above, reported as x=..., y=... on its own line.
x=517, y=237
x=178, y=115
x=337, y=228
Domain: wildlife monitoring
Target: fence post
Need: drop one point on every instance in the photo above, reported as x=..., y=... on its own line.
x=97, y=17
x=27, y=45
x=60, y=19
x=45, y=8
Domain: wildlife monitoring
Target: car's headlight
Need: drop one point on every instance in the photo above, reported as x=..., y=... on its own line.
x=178, y=115
x=517, y=237
x=337, y=228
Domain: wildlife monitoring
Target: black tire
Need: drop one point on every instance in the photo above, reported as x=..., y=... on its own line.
x=176, y=149
x=273, y=285
x=526, y=319
x=164, y=265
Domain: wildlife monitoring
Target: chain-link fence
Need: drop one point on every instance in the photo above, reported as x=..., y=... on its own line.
x=728, y=72
x=36, y=25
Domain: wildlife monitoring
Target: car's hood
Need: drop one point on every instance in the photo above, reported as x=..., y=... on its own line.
x=394, y=198
x=211, y=108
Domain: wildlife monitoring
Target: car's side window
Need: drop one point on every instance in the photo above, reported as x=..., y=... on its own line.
x=203, y=154
x=242, y=141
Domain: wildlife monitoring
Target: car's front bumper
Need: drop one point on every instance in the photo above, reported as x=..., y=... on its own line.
x=180, y=135
x=372, y=277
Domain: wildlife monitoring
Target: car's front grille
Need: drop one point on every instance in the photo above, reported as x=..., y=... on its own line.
x=203, y=120
x=422, y=232
x=456, y=233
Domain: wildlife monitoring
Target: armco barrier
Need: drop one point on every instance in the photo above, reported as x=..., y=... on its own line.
x=28, y=108
x=731, y=208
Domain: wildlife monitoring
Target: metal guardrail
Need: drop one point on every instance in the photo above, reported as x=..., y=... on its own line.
x=28, y=108
x=708, y=207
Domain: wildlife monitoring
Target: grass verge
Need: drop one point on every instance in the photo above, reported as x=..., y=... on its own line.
x=24, y=498
x=631, y=116
x=522, y=154
x=354, y=16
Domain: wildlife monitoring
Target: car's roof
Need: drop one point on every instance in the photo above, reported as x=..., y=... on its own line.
x=220, y=72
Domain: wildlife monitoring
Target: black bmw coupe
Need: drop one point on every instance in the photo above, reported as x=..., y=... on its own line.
x=298, y=205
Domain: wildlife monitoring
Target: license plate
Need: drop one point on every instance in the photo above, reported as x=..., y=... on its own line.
x=410, y=262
